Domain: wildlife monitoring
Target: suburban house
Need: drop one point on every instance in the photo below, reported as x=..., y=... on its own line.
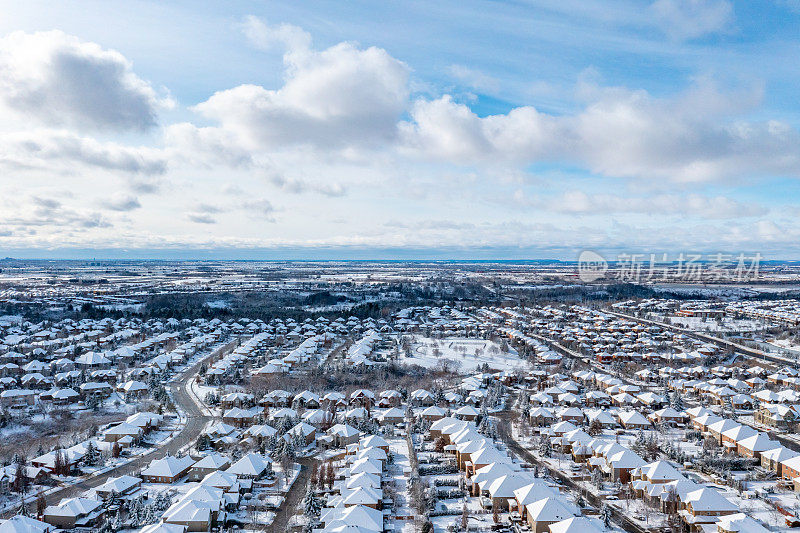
x=167, y=470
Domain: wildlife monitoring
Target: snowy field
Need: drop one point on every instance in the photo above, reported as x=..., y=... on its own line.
x=727, y=323
x=787, y=344
x=467, y=353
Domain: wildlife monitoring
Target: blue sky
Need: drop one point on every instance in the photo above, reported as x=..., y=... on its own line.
x=533, y=129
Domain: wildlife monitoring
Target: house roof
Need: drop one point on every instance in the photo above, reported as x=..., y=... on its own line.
x=164, y=528
x=489, y=454
x=490, y=472
x=660, y=471
x=362, y=496
x=73, y=507
x=740, y=433
x=356, y=515
x=372, y=453
x=759, y=442
x=633, y=417
x=124, y=428
x=625, y=459
x=534, y=491
x=144, y=418
x=190, y=510
x=741, y=523
x=504, y=486
x=363, y=479
x=220, y=479
x=23, y=524
x=212, y=460
x=261, y=430
x=723, y=425
x=392, y=412
x=707, y=499
x=552, y=509
x=578, y=524
x=252, y=464
x=470, y=446
x=119, y=484
x=343, y=430
x=169, y=466
x=779, y=454
x=366, y=465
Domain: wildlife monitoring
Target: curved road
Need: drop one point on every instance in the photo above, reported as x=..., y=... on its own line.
x=196, y=420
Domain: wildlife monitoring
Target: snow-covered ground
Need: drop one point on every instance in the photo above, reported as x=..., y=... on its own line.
x=726, y=324
x=399, y=448
x=468, y=353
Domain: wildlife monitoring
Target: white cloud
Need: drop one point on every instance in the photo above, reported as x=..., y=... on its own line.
x=690, y=19
x=342, y=123
x=49, y=213
x=205, y=146
x=121, y=202
x=201, y=218
x=689, y=205
x=695, y=137
x=336, y=98
x=62, y=81
x=207, y=208
x=473, y=78
x=261, y=209
x=258, y=208
x=64, y=151
x=445, y=129
x=298, y=186
x=288, y=36
x=203, y=213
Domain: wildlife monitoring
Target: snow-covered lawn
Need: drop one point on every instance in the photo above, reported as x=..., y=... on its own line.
x=468, y=353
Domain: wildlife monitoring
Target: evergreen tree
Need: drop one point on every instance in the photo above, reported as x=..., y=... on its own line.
x=23, y=509
x=544, y=446
x=59, y=463
x=676, y=402
x=21, y=480
x=90, y=458
x=597, y=479
x=329, y=476
x=605, y=515
x=204, y=442
x=311, y=505
x=321, y=476
x=438, y=396
x=640, y=444
x=135, y=513
x=280, y=449
x=298, y=441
